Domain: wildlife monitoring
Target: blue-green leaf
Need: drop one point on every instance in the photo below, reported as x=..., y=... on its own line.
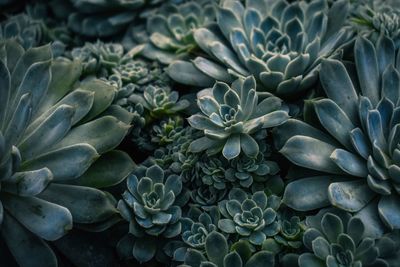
x=232, y=147
x=389, y=211
x=95, y=206
x=351, y=195
x=216, y=248
x=22, y=242
x=367, y=68
x=310, y=153
x=66, y=163
x=47, y=220
x=308, y=193
x=339, y=87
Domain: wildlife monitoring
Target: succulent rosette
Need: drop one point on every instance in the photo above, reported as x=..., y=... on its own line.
x=354, y=151
x=196, y=226
x=219, y=253
x=27, y=31
x=160, y=101
x=251, y=217
x=231, y=115
x=167, y=131
x=335, y=238
x=171, y=29
x=245, y=171
x=280, y=43
x=152, y=206
x=289, y=238
x=53, y=142
x=378, y=18
x=98, y=58
x=200, y=133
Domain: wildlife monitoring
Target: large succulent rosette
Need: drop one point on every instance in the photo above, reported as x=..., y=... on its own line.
x=281, y=44
x=55, y=149
x=353, y=149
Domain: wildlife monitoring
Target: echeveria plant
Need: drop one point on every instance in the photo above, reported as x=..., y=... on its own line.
x=171, y=29
x=252, y=217
x=53, y=142
x=217, y=254
x=204, y=133
x=152, y=206
x=230, y=115
x=335, y=238
x=281, y=44
x=356, y=146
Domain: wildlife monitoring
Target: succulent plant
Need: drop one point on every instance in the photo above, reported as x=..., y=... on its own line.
x=200, y=174
x=337, y=239
x=281, y=44
x=175, y=155
x=166, y=132
x=171, y=29
x=217, y=254
x=195, y=230
x=354, y=153
x=196, y=226
x=264, y=133
x=159, y=101
x=291, y=232
x=53, y=142
x=152, y=206
x=138, y=80
x=53, y=30
x=206, y=197
x=245, y=170
x=252, y=217
x=212, y=172
x=157, y=135
x=27, y=31
x=98, y=58
x=231, y=115
x=137, y=72
x=289, y=239
x=379, y=18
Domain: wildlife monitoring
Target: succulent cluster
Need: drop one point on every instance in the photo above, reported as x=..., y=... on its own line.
x=200, y=133
x=280, y=44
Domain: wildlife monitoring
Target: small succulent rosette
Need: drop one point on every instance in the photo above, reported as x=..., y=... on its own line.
x=230, y=117
x=252, y=217
x=152, y=206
